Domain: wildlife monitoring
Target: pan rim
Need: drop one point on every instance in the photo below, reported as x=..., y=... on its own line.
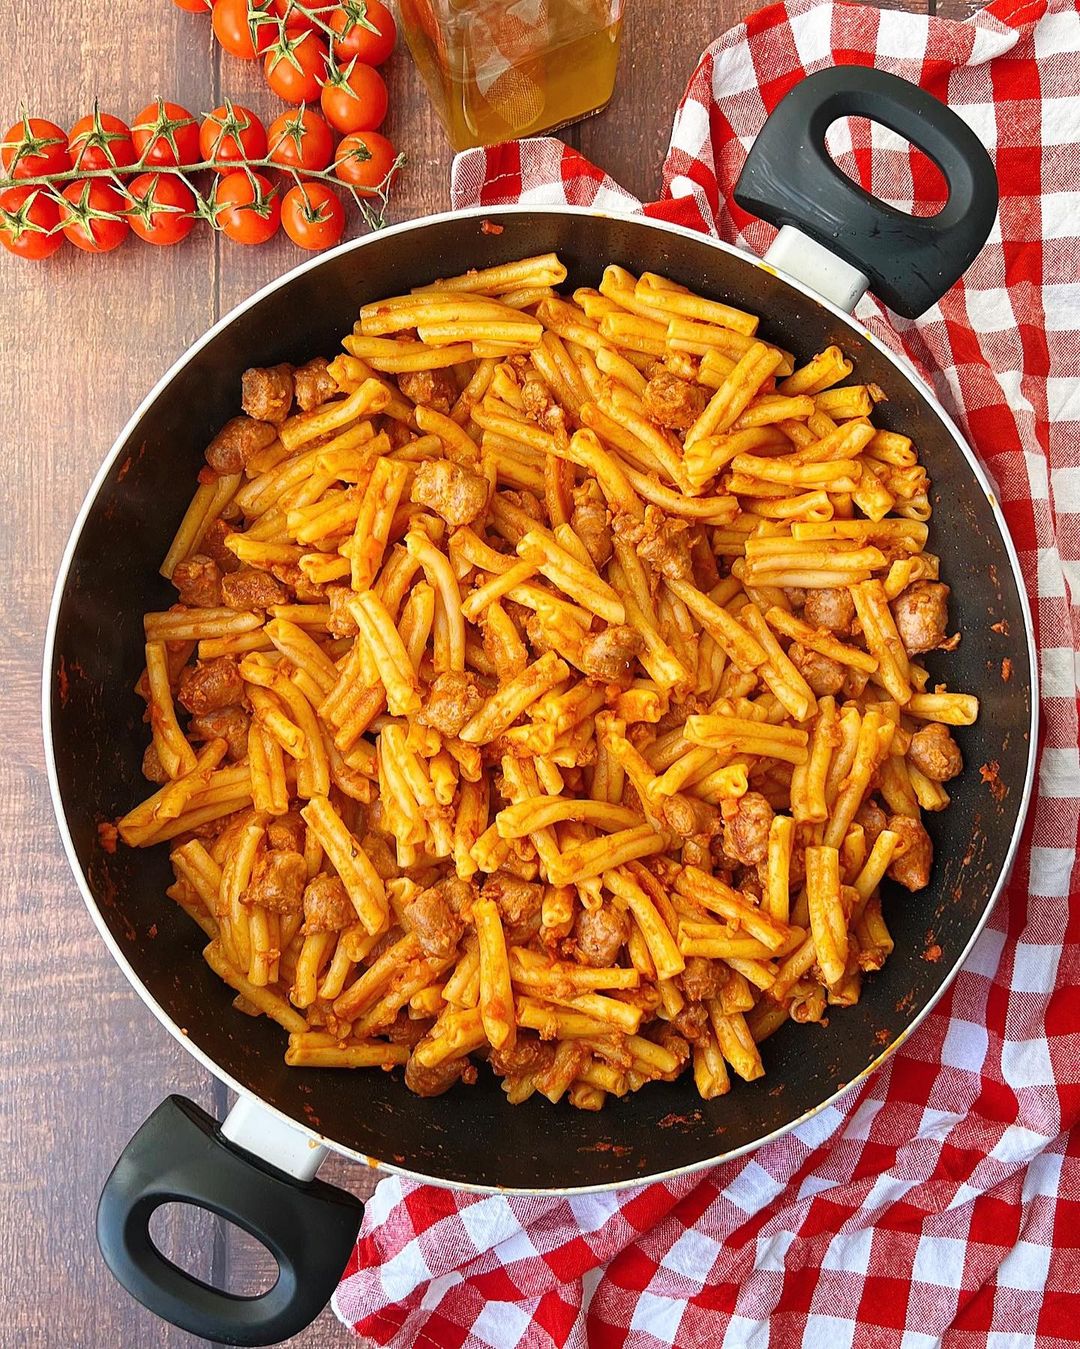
x=906, y=369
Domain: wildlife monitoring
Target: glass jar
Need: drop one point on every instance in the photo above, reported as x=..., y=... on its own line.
x=500, y=69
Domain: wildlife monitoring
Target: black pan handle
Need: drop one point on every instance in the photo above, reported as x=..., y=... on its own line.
x=179, y=1154
x=790, y=179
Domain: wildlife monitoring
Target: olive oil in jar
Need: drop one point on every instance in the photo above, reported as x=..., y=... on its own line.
x=497, y=71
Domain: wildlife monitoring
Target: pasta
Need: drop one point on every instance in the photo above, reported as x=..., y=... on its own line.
x=546, y=686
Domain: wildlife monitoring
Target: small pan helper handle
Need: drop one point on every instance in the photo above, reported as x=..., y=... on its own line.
x=180, y=1154
x=790, y=180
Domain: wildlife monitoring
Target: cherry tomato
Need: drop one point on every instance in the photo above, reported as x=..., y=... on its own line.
x=33, y=148
x=355, y=99
x=247, y=207
x=367, y=29
x=231, y=133
x=301, y=139
x=93, y=217
x=166, y=134
x=101, y=141
x=364, y=159
x=194, y=6
x=295, y=67
x=29, y=222
x=242, y=33
x=313, y=216
x=162, y=209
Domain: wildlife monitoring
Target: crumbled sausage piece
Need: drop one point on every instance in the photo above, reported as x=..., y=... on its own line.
x=691, y=1022
x=152, y=767
x=407, y=1030
x=438, y=928
x=935, y=753
x=823, y=674
x=250, y=588
x=921, y=613
x=286, y=832
x=672, y=402
x=434, y=1081
x=831, y=608
x=662, y=542
x=380, y=856
x=746, y=828
x=609, y=655
x=518, y=901
x=703, y=979
x=198, y=581
x=327, y=906
x=692, y=820
x=591, y=521
x=873, y=820
x=267, y=394
x=224, y=723
x=213, y=544
x=210, y=685
x=452, y=699
x=540, y=405
x=430, y=388
x=914, y=854
x=292, y=578
x=277, y=882
x=796, y=596
x=668, y=1038
x=457, y=494
x=341, y=622
x=313, y=385
x=528, y=1054
x=237, y=442
x=599, y=935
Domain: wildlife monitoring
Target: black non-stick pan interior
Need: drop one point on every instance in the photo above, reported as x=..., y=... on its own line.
x=472, y=1135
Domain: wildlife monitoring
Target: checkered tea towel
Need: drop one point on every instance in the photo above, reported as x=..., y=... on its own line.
x=938, y=1204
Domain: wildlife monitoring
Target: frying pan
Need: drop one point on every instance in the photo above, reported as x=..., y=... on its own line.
x=258, y=1169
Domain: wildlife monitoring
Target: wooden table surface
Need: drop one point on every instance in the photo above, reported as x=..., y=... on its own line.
x=82, y=1060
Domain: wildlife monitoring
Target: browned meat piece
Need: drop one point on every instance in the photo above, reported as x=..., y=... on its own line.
x=226, y=723
x=152, y=767
x=292, y=578
x=267, y=394
x=430, y=388
x=438, y=928
x=210, y=685
x=341, y=622
x=921, y=613
x=407, y=1030
x=451, y=701
x=277, y=882
x=312, y=384
x=703, y=979
x=251, y=589
x=455, y=493
x=692, y=820
x=609, y=655
x=236, y=443
x=672, y=402
x=540, y=405
x=914, y=855
x=526, y=501
x=669, y=1038
x=746, y=828
x=873, y=820
x=286, y=832
x=397, y=433
x=935, y=753
x=600, y=935
x=796, y=596
x=198, y=581
x=692, y=1021
x=434, y=1081
x=380, y=856
x=830, y=608
x=661, y=541
x=327, y=906
x=213, y=545
x=854, y=682
x=528, y=1054
x=824, y=675
x=518, y=900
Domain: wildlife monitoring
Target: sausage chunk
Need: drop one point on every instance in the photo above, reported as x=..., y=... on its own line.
x=452, y=699
x=662, y=542
x=286, y=832
x=691, y=1023
x=823, y=674
x=600, y=935
x=703, y=979
x=830, y=608
x=672, y=402
x=609, y=655
x=455, y=493
x=541, y=407
x=914, y=856
x=277, y=882
x=746, y=829
x=267, y=394
x=935, y=753
x=225, y=723
x=152, y=767
x=198, y=581
x=434, y=1081
x=527, y=1054
x=250, y=588
x=292, y=578
x=873, y=820
x=518, y=901
x=341, y=622
x=438, y=928
x=921, y=613
x=237, y=442
x=327, y=907
x=430, y=388
x=591, y=521
x=210, y=685
x=313, y=384
x=670, y=1039
x=213, y=545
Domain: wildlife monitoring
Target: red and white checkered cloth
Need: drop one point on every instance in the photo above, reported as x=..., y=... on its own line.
x=939, y=1203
